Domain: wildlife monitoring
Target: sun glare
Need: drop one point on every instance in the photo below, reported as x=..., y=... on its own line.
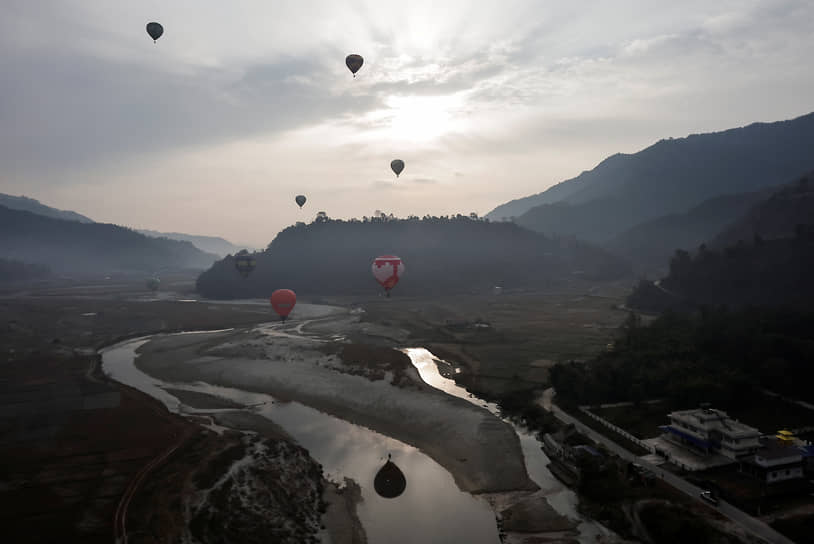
x=421, y=118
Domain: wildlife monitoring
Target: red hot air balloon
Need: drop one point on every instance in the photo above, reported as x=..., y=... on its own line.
x=283, y=301
x=387, y=269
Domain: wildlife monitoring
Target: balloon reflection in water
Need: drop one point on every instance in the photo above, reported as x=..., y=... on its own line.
x=390, y=481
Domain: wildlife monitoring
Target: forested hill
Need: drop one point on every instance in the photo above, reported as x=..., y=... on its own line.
x=761, y=273
x=441, y=255
x=775, y=217
x=91, y=249
x=650, y=245
x=670, y=176
x=17, y=271
x=721, y=356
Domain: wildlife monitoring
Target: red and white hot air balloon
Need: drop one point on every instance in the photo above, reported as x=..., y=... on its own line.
x=283, y=301
x=387, y=269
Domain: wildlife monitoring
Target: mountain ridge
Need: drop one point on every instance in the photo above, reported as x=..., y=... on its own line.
x=24, y=203
x=91, y=249
x=777, y=216
x=210, y=244
x=667, y=177
x=650, y=244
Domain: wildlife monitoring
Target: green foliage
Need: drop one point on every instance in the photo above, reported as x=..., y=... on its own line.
x=767, y=273
x=717, y=355
x=522, y=405
x=441, y=254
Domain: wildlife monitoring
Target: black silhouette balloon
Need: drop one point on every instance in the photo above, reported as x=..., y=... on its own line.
x=245, y=263
x=397, y=166
x=390, y=481
x=155, y=30
x=354, y=62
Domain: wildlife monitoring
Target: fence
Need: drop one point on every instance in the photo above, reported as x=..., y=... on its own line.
x=616, y=429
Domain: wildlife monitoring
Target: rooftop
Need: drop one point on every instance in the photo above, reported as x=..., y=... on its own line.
x=717, y=418
x=774, y=449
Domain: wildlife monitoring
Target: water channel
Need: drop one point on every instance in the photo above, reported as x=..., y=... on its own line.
x=431, y=509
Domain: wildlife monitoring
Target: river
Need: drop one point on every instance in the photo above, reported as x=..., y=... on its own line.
x=431, y=509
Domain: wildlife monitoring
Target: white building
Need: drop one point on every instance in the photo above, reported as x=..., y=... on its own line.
x=779, y=463
x=712, y=431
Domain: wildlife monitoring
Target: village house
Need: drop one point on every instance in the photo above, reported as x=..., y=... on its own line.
x=709, y=431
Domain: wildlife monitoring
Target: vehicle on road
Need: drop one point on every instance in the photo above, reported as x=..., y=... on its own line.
x=709, y=497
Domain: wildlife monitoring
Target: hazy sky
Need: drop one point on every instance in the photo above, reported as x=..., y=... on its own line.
x=242, y=105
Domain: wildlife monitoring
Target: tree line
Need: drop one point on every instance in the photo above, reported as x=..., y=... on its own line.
x=716, y=355
x=764, y=272
x=451, y=254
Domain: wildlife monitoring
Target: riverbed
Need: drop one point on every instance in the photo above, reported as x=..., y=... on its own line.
x=433, y=508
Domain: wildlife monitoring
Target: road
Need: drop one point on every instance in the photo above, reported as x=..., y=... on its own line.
x=749, y=523
x=120, y=517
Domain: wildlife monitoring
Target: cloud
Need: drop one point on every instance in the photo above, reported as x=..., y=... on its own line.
x=388, y=185
x=67, y=111
x=239, y=105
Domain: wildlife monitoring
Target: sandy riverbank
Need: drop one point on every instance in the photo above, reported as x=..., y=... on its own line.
x=481, y=452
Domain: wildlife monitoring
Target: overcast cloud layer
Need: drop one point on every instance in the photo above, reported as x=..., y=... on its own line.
x=242, y=105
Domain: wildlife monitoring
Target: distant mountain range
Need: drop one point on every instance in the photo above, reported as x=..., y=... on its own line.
x=441, y=255
x=670, y=177
x=210, y=244
x=34, y=206
x=91, y=249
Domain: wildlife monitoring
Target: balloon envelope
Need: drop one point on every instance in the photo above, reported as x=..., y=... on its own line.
x=397, y=166
x=300, y=200
x=354, y=62
x=245, y=264
x=155, y=30
x=283, y=301
x=389, y=481
x=387, y=269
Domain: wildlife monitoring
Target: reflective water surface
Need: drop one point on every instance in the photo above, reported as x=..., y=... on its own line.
x=431, y=509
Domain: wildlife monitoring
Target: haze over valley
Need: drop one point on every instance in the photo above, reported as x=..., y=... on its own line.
x=387, y=272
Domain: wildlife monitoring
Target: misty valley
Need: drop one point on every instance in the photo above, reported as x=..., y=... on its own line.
x=274, y=273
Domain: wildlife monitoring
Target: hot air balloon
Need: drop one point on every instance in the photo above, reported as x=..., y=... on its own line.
x=245, y=263
x=397, y=166
x=354, y=62
x=300, y=200
x=283, y=301
x=153, y=284
x=389, y=481
x=155, y=30
x=387, y=269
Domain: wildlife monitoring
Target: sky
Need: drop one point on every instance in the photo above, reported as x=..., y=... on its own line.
x=242, y=105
